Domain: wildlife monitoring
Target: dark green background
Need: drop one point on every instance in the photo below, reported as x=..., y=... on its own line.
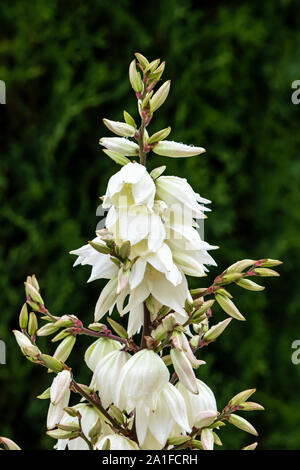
x=65, y=65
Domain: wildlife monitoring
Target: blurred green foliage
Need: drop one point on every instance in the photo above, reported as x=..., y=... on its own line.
x=231, y=65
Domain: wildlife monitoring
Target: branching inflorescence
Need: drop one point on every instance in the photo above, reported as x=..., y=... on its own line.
x=149, y=245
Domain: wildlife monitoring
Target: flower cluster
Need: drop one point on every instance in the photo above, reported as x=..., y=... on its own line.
x=149, y=244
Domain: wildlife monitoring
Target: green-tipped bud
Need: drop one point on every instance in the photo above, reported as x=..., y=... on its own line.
x=95, y=431
x=270, y=263
x=119, y=329
x=188, y=306
x=71, y=411
x=152, y=65
x=160, y=135
x=142, y=60
x=33, y=293
x=47, y=329
x=125, y=250
x=228, y=306
x=242, y=423
x=9, y=444
x=178, y=440
x=157, y=172
x=51, y=363
x=163, y=311
x=160, y=96
x=217, y=440
x=266, y=272
x=150, y=305
x=97, y=326
x=224, y=292
x=35, y=283
x=251, y=406
x=120, y=128
x=203, y=309
x=250, y=447
x=61, y=434
x=65, y=320
x=239, y=266
x=146, y=101
x=23, y=318
x=65, y=348
x=117, y=157
x=32, y=324
x=27, y=347
x=230, y=277
x=129, y=119
x=216, y=330
x=249, y=285
x=68, y=427
x=135, y=78
x=196, y=444
x=242, y=397
x=45, y=395
x=198, y=291
x=103, y=249
x=117, y=414
x=106, y=445
x=156, y=74
x=61, y=335
x=195, y=340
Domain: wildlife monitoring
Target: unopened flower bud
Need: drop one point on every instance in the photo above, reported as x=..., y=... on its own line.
x=45, y=395
x=61, y=434
x=64, y=349
x=228, y=306
x=23, y=318
x=249, y=285
x=47, y=329
x=142, y=59
x=157, y=172
x=239, y=266
x=118, y=328
x=251, y=406
x=120, y=145
x=120, y=128
x=51, y=363
x=269, y=263
x=26, y=346
x=242, y=423
x=184, y=370
x=176, y=150
x=33, y=293
x=160, y=135
x=135, y=78
x=95, y=431
x=9, y=444
x=116, y=413
x=101, y=248
x=125, y=249
x=230, y=277
x=60, y=385
x=32, y=324
x=129, y=119
x=160, y=96
x=266, y=272
x=207, y=439
x=216, y=330
x=178, y=440
x=250, y=447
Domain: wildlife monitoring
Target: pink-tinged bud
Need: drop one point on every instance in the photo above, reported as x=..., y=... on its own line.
x=8, y=444
x=242, y=423
x=268, y=263
x=33, y=293
x=207, y=439
x=266, y=272
x=251, y=406
x=142, y=59
x=176, y=150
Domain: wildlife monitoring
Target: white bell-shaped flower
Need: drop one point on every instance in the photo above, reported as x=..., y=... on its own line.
x=201, y=408
x=141, y=378
x=106, y=376
x=168, y=411
x=102, y=266
x=131, y=185
x=100, y=349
